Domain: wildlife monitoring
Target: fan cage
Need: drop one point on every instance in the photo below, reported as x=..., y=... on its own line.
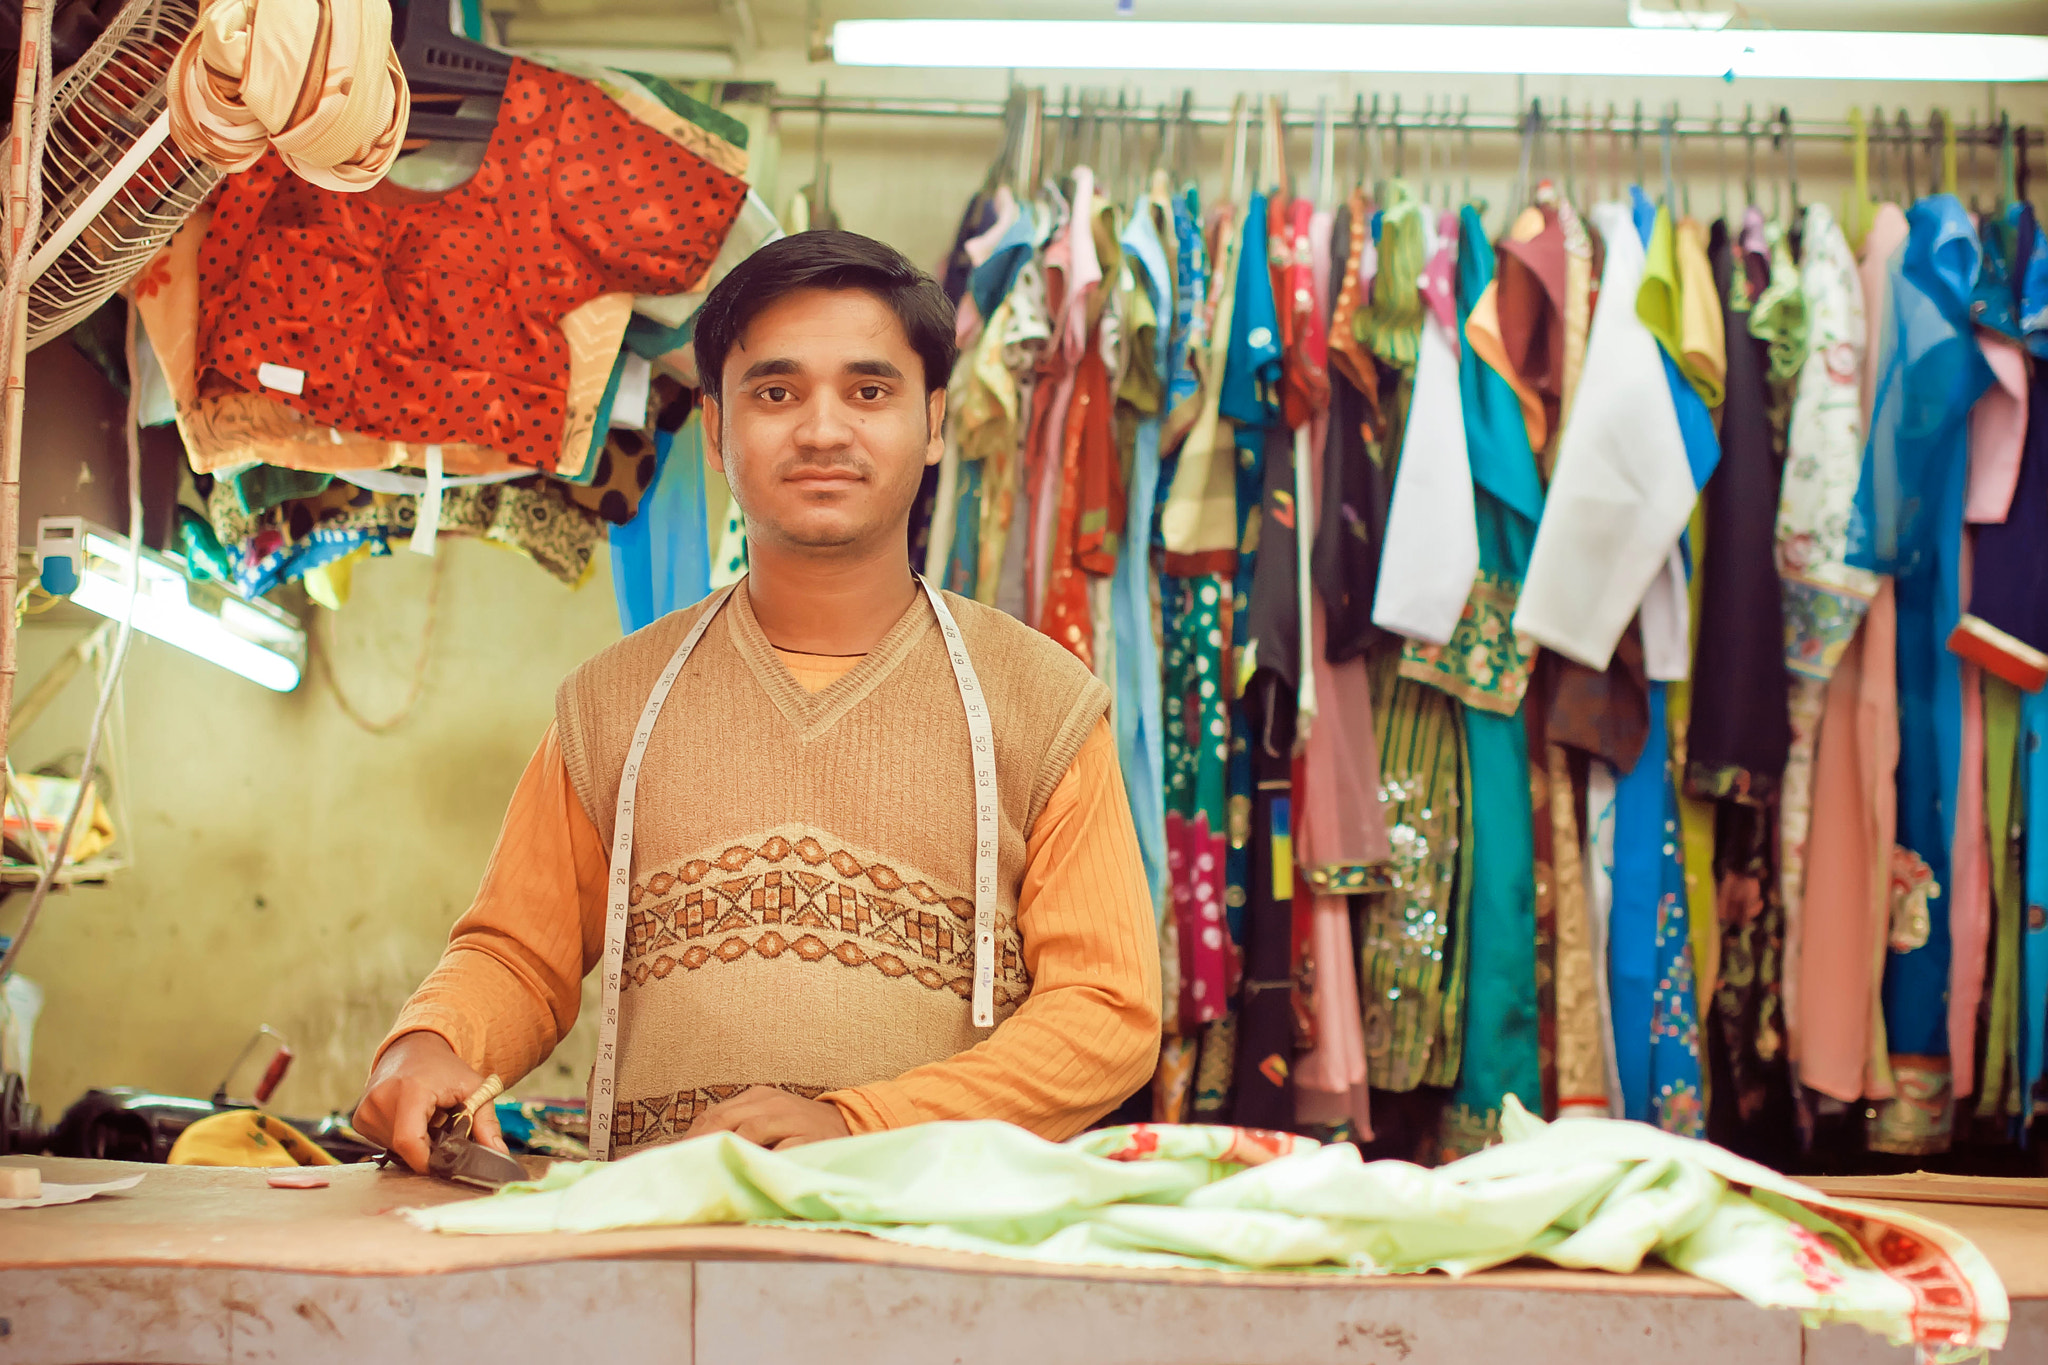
x=107, y=107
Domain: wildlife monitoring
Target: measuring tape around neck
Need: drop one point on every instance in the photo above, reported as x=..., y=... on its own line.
x=619, y=884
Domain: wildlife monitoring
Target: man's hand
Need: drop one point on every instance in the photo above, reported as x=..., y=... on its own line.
x=774, y=1118
x=418, y=1076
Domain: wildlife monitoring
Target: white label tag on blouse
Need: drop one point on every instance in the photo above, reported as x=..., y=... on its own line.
x=604, y=1072
x=283, y=378
x=427, y=524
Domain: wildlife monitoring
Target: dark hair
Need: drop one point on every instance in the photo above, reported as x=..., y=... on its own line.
x=827, y=260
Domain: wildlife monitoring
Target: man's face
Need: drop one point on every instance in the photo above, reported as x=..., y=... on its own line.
x=825, y=428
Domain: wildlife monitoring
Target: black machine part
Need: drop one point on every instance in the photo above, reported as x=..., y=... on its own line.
x=125, y=1124
x=21, y=1128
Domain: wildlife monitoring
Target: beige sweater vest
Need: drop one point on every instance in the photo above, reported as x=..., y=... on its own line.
x=802, y=906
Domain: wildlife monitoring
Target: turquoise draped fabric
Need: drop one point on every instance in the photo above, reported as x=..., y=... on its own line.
x=1501, y=1053
x=1907, y=521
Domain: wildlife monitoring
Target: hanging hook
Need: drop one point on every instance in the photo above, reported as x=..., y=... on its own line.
x=1721, y=160
x=1749, y=155
x=1240, y=134
x=1564, y=136
x=1372, y=153
x=1905, y=148
x=1400, y=143
x=1635, y=141
x=1791, y=163
x=1613, y=155
x=1971, y=136
x=1428, y=131
x=1664, y=131
x=1465, y=150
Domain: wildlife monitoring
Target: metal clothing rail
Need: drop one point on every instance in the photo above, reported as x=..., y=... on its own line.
x=1562, y=117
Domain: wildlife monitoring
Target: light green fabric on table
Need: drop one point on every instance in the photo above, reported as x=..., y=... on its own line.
x=1579, y=1193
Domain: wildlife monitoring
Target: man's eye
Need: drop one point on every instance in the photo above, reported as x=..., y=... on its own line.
x=871, y=393
x=775, y=393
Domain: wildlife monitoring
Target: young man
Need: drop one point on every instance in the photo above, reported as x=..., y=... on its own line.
x=801, y=950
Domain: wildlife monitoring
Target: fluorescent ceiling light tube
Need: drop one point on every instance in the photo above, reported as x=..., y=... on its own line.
x=1439, y=49
x=253, y=638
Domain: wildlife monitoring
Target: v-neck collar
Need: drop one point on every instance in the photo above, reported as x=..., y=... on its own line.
x=813, y=713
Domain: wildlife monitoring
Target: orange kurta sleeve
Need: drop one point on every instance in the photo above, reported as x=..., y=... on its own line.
x=1088, y=1035
x=508, y=985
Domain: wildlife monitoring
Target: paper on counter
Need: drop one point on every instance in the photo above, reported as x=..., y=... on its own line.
x=70, y=1194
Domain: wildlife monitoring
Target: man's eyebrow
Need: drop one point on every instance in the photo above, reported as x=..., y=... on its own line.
x=875, y=369
x=774, y=366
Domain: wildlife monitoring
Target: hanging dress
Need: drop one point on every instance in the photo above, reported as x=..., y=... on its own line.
x=1907, y=521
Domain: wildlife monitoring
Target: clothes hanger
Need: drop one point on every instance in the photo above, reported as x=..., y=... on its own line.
x=1358, y=180
x=1564, y=137
x=1949, y=182
x=1721, y=161
x=1240, y=134
x=1684, y=209
x=818, y=194
x=1670, y=199
x=1613, y=156
x=1372, y=154
x=1791, y=218
x=1971, y=136
x=1429, y=149
x=1524, y=163
x=1748, y=156
x=1465, y=153
x=2008, y=165
x=1635, y=142
x=1273, y=156
x=1905, y=150
x=1325, y=155
x=1400, y=143
x=437, y=61
x=999, y=165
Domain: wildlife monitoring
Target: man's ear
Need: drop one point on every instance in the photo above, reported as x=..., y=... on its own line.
x=714, y=432
x=935, y=426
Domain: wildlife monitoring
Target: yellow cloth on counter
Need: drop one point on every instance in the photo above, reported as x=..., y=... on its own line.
x=247, y=1137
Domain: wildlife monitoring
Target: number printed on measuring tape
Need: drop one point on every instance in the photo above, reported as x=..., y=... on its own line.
x=981, y=743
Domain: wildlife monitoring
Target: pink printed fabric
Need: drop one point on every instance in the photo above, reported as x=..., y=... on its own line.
x=1208, y=969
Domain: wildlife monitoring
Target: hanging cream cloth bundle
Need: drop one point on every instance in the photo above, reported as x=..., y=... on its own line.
x=316, y=79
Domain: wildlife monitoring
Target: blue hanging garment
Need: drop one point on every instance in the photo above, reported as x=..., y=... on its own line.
x=661, y=559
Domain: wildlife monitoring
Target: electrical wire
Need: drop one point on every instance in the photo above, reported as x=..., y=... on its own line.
x=323, y=647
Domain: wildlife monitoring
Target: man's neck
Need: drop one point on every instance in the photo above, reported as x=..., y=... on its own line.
x=836, y=606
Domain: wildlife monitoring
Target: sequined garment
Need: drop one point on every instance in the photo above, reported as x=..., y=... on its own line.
x=1411, y=940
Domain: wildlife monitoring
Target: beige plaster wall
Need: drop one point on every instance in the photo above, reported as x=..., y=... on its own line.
x=289, y=868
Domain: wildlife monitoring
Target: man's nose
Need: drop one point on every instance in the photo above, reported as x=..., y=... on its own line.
x=826, y=424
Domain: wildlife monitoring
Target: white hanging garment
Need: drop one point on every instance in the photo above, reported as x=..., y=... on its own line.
x=1622, y=490
x=1667, y=622
x=1431, y=554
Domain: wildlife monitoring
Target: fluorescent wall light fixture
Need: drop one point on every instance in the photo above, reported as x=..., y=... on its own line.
x=263, y=643
x=1440, y=49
